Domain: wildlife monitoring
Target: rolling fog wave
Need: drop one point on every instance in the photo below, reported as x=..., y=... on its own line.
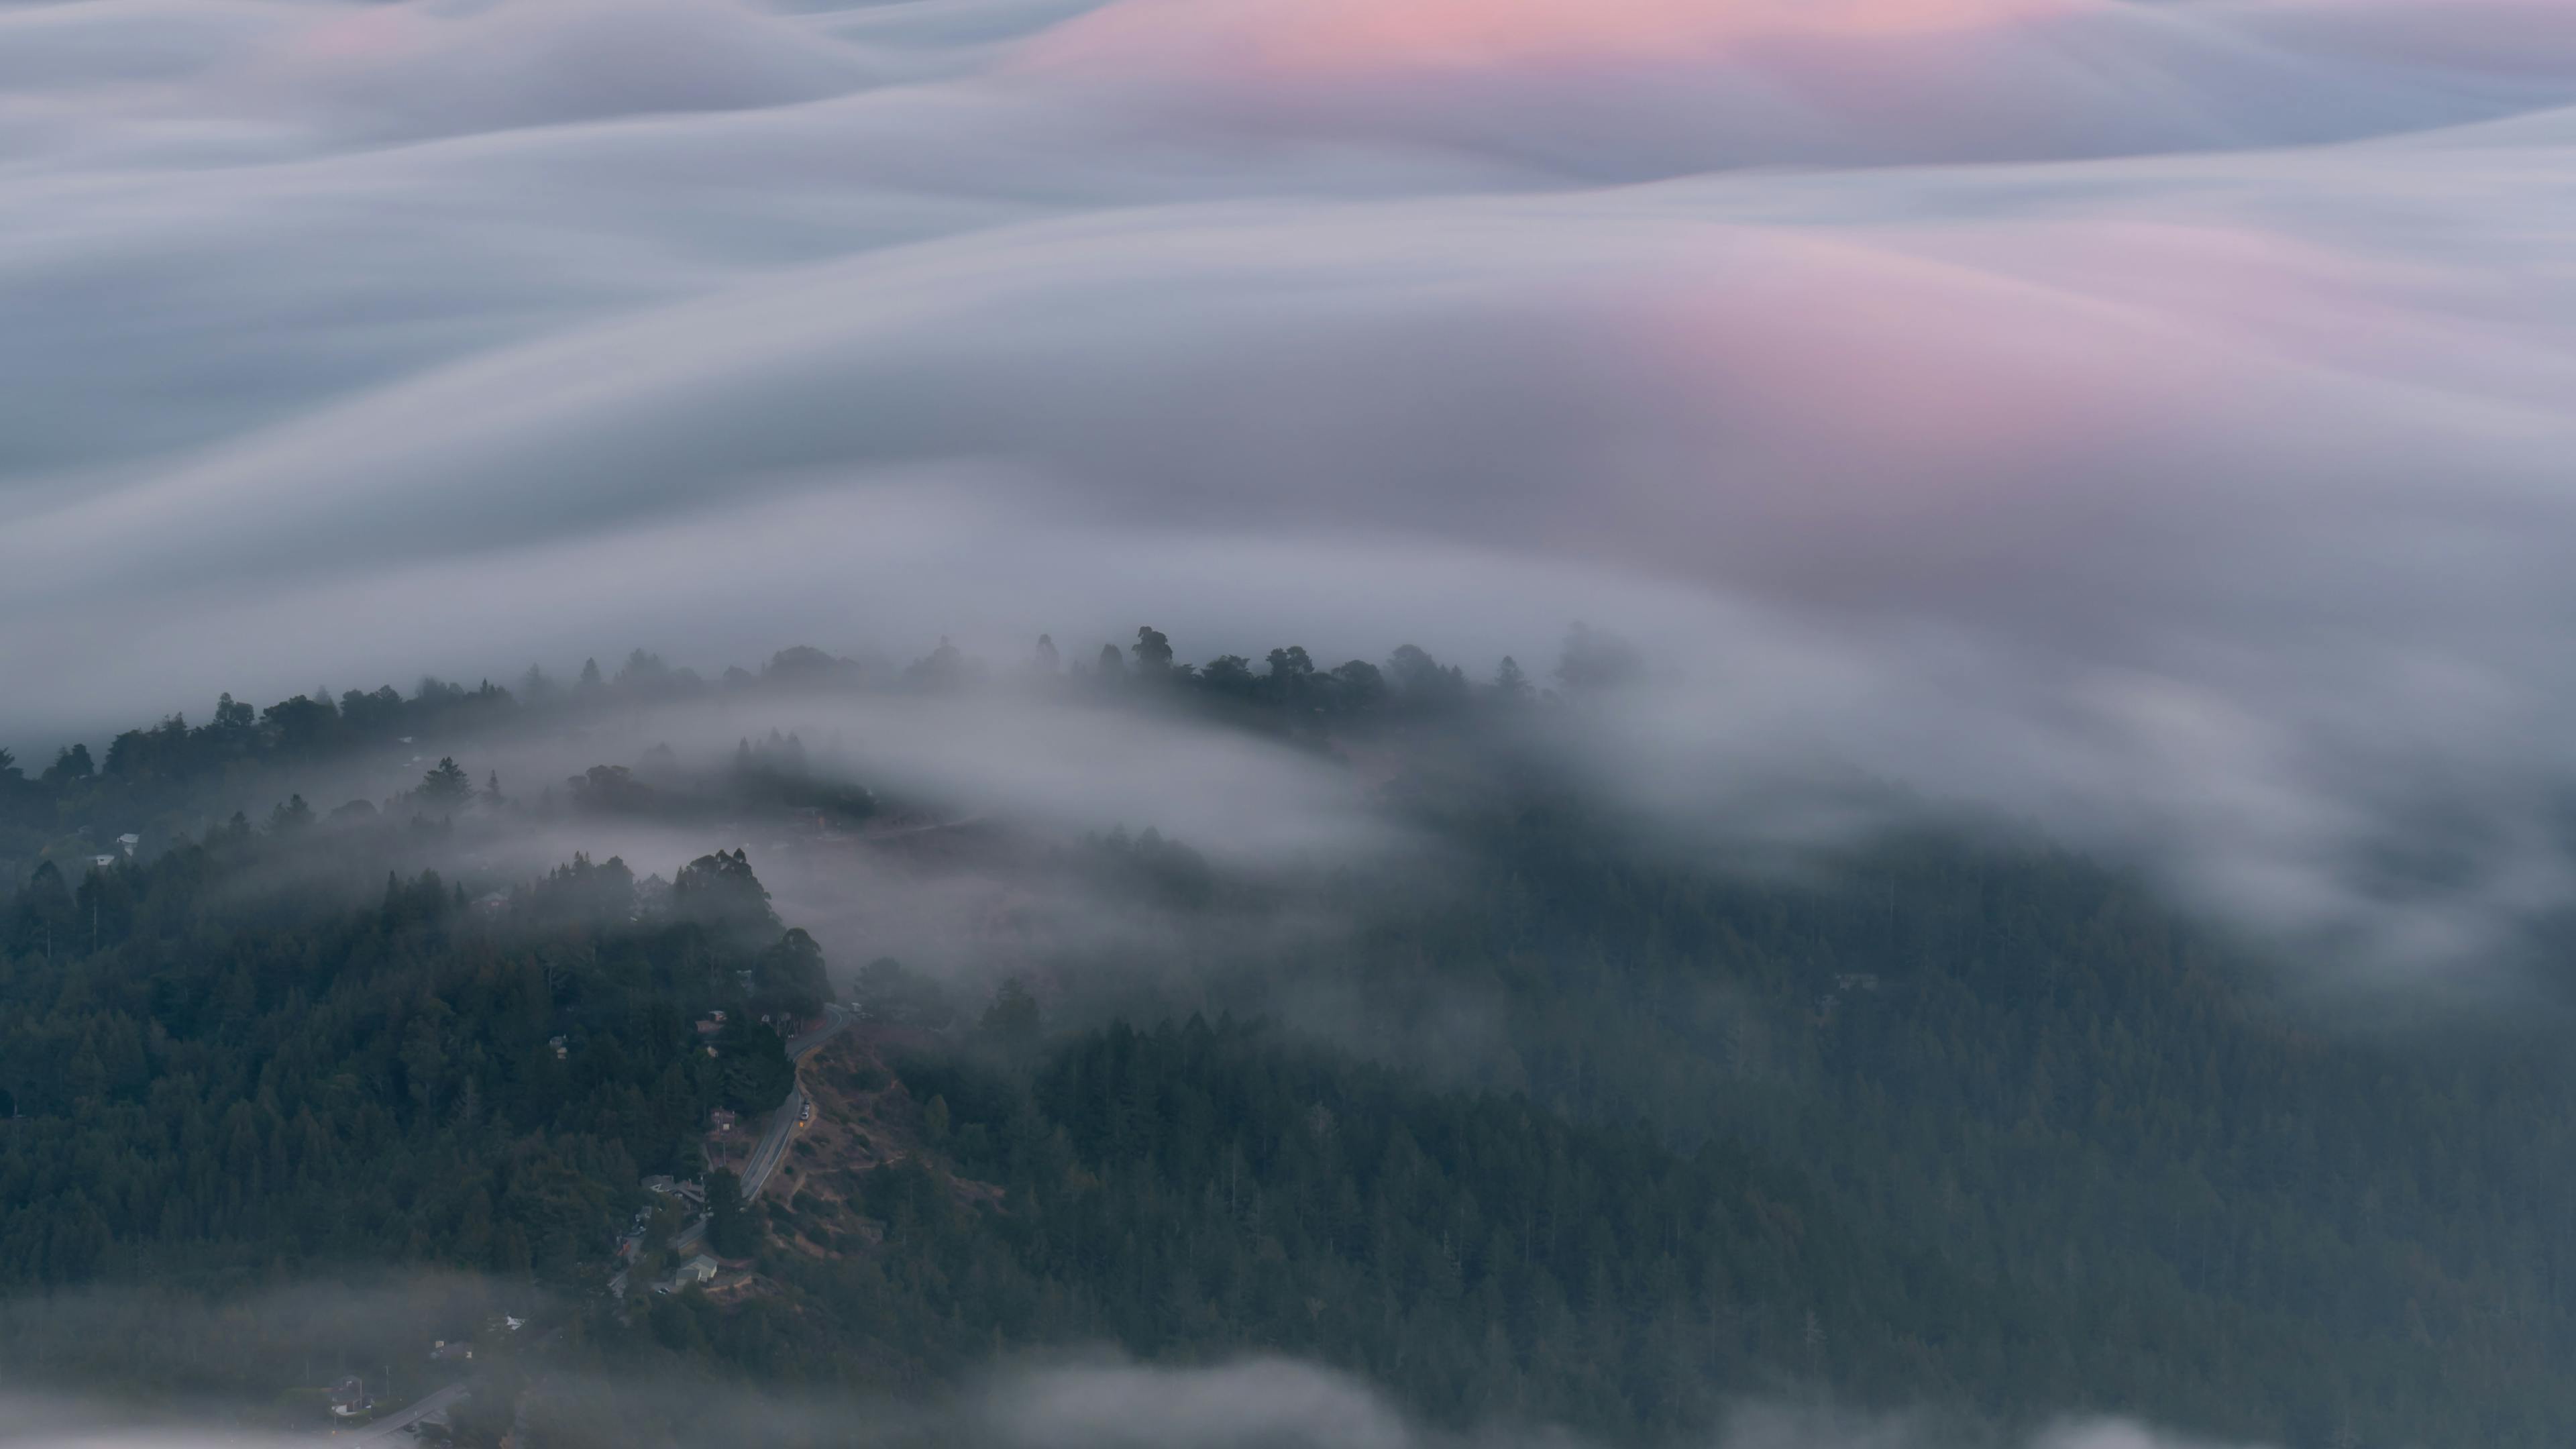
x=2143, y=417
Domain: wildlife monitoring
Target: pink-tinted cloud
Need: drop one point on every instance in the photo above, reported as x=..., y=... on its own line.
x=1305, y=39
x=2147, y=418
x=1653, y=86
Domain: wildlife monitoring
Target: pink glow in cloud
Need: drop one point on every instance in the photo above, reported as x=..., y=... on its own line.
x=1624, y=89
x=358, y=37
x=1325, y=37
x=2215, y=349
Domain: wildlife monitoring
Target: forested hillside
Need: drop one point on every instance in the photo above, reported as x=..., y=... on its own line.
x=242, y=1080
x=2039, y=1152
x=1555, y=1123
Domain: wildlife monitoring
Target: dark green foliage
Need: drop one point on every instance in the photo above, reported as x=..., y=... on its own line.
x=719, y=893
x=1011, y=1024
x=1199, y=1191
x=2065, y=1152
x=753, y=1072
x=2188, y=1200
x=611, y=790
x=776, y=771
x=1602, y=1136
x=729, y=1227
x=446, y=787
x=1153, y=651
x=788, y=980
x=217, y=1087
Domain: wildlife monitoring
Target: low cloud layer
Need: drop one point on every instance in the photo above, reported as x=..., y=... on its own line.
x=1098, y=1403
x=2144, y=418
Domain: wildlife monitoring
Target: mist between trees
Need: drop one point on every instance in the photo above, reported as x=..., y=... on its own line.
x=1507, y=1110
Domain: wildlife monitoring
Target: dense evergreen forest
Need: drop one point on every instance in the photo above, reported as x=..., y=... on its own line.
x=225, y=1088
x=2037, y=1154
x=1555, y=1124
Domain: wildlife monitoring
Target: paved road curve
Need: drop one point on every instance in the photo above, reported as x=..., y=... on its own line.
x=767, y=1153
x=390, y=1430
x=772, y=1147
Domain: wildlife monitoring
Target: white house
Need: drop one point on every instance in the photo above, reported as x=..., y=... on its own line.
x=697, y=1270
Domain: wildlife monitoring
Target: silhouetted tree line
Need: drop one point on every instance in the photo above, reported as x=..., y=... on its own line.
x=176, y=780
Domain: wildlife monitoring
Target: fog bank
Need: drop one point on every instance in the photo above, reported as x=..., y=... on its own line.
x=2141, y=418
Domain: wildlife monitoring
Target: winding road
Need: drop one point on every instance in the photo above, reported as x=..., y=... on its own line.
x=389, y=1429
x=772, y=1147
